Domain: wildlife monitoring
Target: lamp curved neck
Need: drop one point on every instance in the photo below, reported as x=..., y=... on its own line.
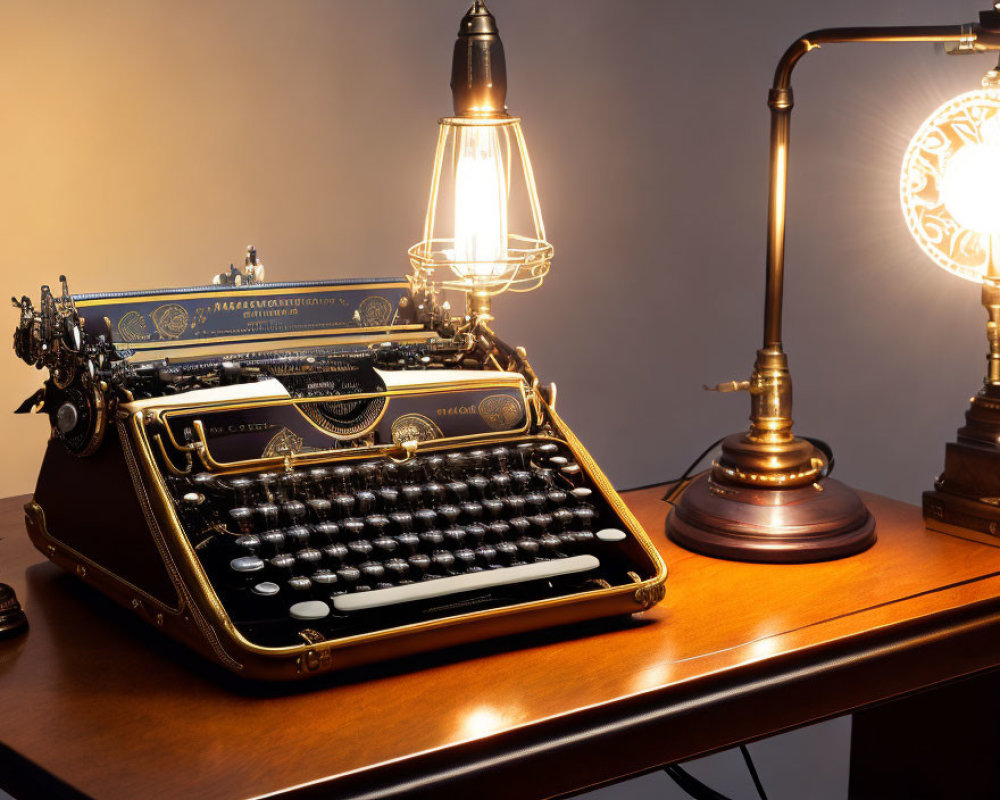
x=780, y=101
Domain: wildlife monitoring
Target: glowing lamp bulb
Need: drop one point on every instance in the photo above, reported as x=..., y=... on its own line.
x=480, y=204
x=970, y=187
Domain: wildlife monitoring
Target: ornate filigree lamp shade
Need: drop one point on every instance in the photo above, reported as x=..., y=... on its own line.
x=950, y=184
x=483, y=232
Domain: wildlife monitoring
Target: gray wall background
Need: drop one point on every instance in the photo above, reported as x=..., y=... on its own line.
x=146, y=143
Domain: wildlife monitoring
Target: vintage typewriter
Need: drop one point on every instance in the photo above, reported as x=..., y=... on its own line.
x=297, y=477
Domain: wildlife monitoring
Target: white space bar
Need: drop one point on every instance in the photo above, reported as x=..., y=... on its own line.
x=474, y=581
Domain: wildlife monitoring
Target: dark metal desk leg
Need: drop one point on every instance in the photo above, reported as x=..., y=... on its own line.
x=943, y=743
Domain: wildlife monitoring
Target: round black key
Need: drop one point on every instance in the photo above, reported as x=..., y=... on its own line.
x=362, y=587
x=522, y=453
x=366, y=502
x=368, y=474
x=412, y=496
x=426, y=518
x=475, y=533
x=297, y=536
x=493, y=508
x=500, y=485
x=501, y=458
x=520, y=525
x=294, y=511
x=419, y=563
x=360, y=549
x=454, y=537
x=344, y=504
x=557, y=498
x=567, y=541
x=327, y=530
x=585, y=516
x=324, y=577
x=319, y=508
x=386, y=544
x=204, y=481
x=458, y=491
x=433, y=494
x=242, y=486
x=397, y=569
x=372, y=571
x=550, y=545
x=343, y=476
x=283, y=561
x=246, y=564
x=248, y=543
x=434, y=468
x=472, y=511
x=528, y=548
x=478, y=486
x=443, y=560
x=506, y=552
x=584, y=539
x=299, y=584
x=319, y=476
x=546, y=478
x=498, y=531
x=402, y=521
x=432, y=539
x=449, y=514
x=389, y=473
x=514, y=505
x=267, y=513
x=274, y=540
x=352, y=527
x=291, y=482
x=456, y=464
x=465, y=559
x=389, y=497
x=267, y=481
x=243, y=519
x=486, y=555
x=535, y=502
x=412, y=471
x=377, y=523
x=348, y=575
x=563, y=518
x=541, y=521
x=476, y=460
x=409, y=542
x=336, y=552
x=309, y=555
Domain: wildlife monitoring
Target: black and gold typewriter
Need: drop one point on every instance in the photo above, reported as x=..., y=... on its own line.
x=297, y=477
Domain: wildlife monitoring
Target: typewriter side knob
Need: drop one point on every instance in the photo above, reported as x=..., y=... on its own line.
x=79, y=418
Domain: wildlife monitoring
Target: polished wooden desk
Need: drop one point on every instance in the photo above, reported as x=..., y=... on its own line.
x=94, y=704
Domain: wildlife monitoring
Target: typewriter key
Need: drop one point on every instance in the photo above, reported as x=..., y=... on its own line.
x=558, y=461
x=581, y=492
x=434, y=494
x=366, y=502
x=507, y=552
x=571, y=470
x=193, y=499
x=297, y=536
x=475, y=533
x=267, y=513
x=585, y=515
x=611, y=535
x=324, y=577
x=419, y=564
x=386, y=545
x=242, y=518
x=389, y=498
x=245, y=564
x=360, y=549
x=442, y=560
x=412, y=495
x=282, y=561
x=274, y=540
x=501, y=457
x=409, y=542
x=248, y=542
x=397, y=569
x=309, y=555
x=327, y=530
x=486, y=555
x=478, y=486
x=454, y=537
x=309, y=609
x=299, y=584
x=472, y=511
x=465, y=559
x=294, y=511
x=427, y=518
x=432, y=539
x=493, y=508
x=352, y=527
x=266, y=589
x=371, y=570
x=336, y=552
x=348, y=575
x=458, y=490
x=528, y=548
x=319, y=507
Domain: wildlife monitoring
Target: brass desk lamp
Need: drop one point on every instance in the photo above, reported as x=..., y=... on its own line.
x=948, y=190
x=468, y=245
x=766, y=497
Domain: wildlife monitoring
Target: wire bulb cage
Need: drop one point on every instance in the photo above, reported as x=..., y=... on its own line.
x=483, y=233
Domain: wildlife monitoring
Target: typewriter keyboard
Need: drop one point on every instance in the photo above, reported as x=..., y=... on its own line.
x=355, y=546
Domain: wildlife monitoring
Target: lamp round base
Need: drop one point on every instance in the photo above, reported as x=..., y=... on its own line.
x=771, y=526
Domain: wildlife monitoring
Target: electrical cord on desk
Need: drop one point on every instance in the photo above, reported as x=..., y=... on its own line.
x=699, y=791
x=678, y=485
